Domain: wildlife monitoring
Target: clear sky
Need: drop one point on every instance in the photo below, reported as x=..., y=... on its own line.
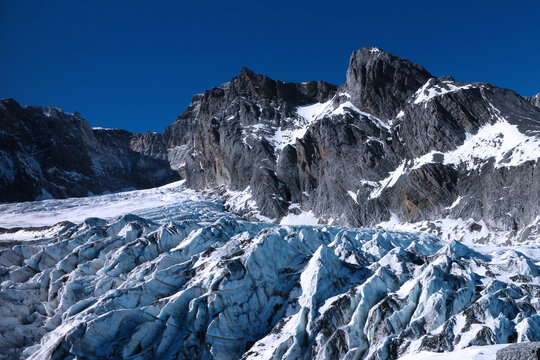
x=136, y=64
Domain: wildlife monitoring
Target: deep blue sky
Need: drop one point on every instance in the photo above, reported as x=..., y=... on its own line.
x=136, y=64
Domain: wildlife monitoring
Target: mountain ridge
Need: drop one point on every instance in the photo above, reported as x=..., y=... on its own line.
x=47, y=153
x=448, y=110
x=391, y=141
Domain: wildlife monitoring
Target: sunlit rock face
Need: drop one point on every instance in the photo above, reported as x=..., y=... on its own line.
x=195, y=282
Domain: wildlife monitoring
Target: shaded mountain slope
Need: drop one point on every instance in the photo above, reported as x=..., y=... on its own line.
x=45, y=152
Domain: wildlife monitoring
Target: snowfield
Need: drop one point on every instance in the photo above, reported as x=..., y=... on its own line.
x=155, y=204
x=165, y=273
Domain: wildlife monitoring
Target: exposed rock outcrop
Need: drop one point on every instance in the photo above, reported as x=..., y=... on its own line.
x=380, y=83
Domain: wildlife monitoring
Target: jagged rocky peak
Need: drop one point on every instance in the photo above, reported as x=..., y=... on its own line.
x=312, y=147
x=250, y=99
x=379, y=82
x=259, y=86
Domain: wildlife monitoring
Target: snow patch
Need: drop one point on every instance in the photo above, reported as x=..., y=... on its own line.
x=501, y=141
x=468, y=231
x=353, y=195
x=241, y=202
x=455, y=203
x=139, y=202
x=304, y=218
x=389, y=181
x=431, y=89
x=314, y=111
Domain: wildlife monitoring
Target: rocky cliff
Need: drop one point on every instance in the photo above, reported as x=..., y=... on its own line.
x=45, y=152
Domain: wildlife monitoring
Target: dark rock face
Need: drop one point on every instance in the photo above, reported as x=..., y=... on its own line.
x=45, y=152
x=227, y=130
x=521, y=351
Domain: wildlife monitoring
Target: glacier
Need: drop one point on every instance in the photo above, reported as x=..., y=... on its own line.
x=168, y=273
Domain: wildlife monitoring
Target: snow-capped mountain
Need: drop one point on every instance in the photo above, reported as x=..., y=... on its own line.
x=183, y=279
x=392, y=142
x=396, y=216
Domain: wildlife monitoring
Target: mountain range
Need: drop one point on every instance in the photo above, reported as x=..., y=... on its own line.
x=395, y=216
x=391, y=144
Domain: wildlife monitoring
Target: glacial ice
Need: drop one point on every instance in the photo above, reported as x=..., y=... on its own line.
x=187, y=280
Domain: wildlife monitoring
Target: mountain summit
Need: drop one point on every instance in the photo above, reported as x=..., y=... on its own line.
x=379, y=82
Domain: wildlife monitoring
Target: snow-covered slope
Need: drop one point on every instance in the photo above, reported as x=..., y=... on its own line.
x=138, y=202
x=191, y=281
